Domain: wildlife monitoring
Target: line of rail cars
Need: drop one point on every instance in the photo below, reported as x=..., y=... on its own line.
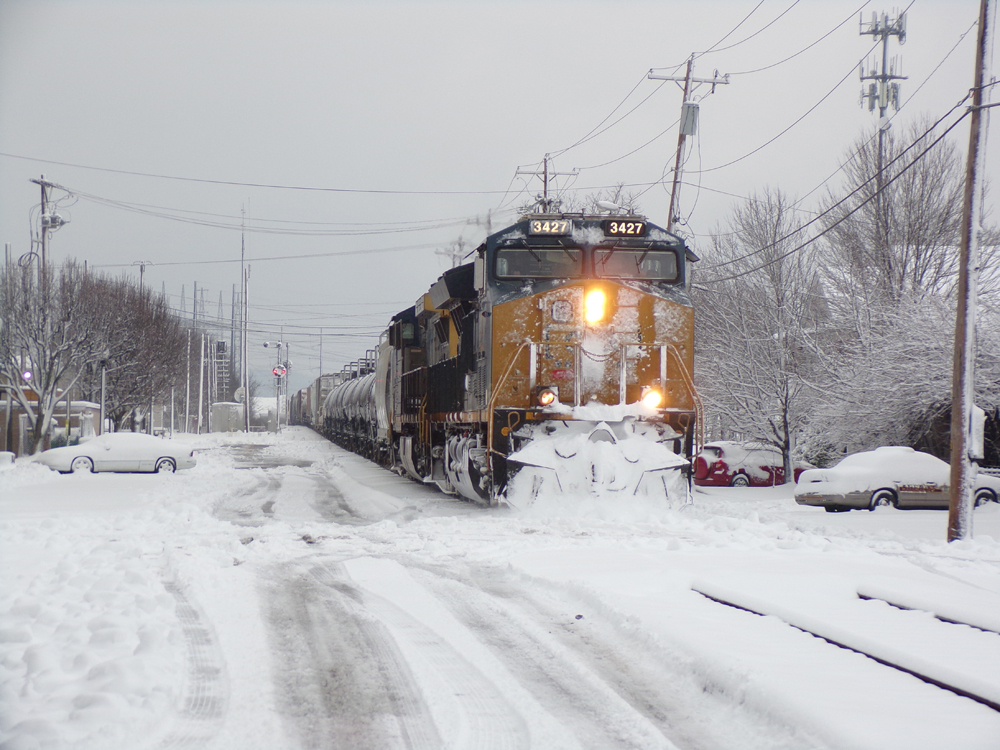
x=561, y=357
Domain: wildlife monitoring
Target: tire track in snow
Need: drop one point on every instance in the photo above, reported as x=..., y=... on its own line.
x=473, y=712
x=343, y=681
x=594, y=675
x=205, y=692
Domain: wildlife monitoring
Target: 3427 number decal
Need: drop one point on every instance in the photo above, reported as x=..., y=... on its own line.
x=616, y=228
x=549, y=226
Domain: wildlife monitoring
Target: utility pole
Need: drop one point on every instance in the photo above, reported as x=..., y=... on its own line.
x=963, y=469
x=187, y=389
x=455, y=253
x=543, y=199
x=50, y=221
x=882, y=92
x=247, y=406
x=688, y=126
x=142, y=269
x=201, y=383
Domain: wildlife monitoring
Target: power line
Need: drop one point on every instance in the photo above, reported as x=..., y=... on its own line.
x=332, y=254
x=808, y=112
x=261, y=185
x=804, y=49
x=762, y=29
x=857, y=189
x=839, y=221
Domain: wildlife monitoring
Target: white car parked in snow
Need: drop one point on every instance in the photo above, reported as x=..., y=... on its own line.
x=892, y=475
x=120, y=451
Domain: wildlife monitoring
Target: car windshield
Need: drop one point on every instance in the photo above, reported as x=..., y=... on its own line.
x=648, y=265
x=539, y=262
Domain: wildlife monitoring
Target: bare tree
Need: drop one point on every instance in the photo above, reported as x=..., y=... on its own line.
x=760, y=311
x=47, y=337
x=144, y=349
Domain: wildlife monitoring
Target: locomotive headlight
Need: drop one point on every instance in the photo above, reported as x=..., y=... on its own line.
x=594, y=306
x=651, y=397
x=547, y=395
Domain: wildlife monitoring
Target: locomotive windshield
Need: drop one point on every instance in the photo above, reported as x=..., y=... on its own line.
x=644, y=264
x=539, y=262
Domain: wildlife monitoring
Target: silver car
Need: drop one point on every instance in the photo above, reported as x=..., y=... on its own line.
x=120, y=451
x=892, y=475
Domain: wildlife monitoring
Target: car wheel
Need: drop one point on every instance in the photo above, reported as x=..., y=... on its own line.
x=740, y=480
x=165, y=466
x=984, y=496
x=81, y=464
x=882, y=497
x=836, y=508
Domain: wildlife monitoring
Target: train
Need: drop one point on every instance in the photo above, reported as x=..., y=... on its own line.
x=558, y=359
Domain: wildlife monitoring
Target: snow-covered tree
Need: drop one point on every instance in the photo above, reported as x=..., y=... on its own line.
x=900, y=244
x=761, y=310
x=890, y=270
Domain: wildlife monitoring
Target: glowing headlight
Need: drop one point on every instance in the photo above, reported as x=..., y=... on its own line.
x=593, y=306
x=547, y=395
x=651, y=397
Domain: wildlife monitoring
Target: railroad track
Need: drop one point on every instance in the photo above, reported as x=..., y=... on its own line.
x=948, y=616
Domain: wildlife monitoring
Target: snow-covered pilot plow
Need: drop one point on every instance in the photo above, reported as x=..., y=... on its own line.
x=558, y=361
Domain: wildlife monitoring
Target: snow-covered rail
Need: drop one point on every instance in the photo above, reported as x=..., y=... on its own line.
x=973, y=687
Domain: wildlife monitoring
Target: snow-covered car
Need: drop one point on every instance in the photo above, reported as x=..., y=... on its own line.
x=726, y=463
x=892, y=475
x=120, y=451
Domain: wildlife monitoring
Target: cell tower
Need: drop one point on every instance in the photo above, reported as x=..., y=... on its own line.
x=882, y=91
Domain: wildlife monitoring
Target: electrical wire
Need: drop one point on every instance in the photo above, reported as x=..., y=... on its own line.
x=261, y=185
x=332, y=254
x=760, y=30
x=134, y=208
x=855, y=191
x=837, y=222
x=804, y=49
x=896, y=114
x=808, y=112
x=733, y=31
x=587, y=137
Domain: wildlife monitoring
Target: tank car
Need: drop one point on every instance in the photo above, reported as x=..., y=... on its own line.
x=561, y=356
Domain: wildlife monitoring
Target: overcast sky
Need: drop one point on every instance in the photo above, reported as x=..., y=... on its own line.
x=361, y=139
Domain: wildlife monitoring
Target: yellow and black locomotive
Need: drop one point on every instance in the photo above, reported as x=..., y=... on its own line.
x=562, y=356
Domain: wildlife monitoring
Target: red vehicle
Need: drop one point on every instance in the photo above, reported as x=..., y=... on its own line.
x=731, y=464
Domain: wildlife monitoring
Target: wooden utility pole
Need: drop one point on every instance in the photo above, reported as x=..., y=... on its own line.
x=688, y=126
x=547, y=203
x=963, y=470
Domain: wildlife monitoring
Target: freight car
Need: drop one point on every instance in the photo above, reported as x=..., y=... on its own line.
x=560, y=358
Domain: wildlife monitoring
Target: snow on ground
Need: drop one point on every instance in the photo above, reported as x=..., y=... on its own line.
x=286, y=594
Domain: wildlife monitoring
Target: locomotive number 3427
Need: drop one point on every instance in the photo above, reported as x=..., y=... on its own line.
x=549, y=226
x=625, y=228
